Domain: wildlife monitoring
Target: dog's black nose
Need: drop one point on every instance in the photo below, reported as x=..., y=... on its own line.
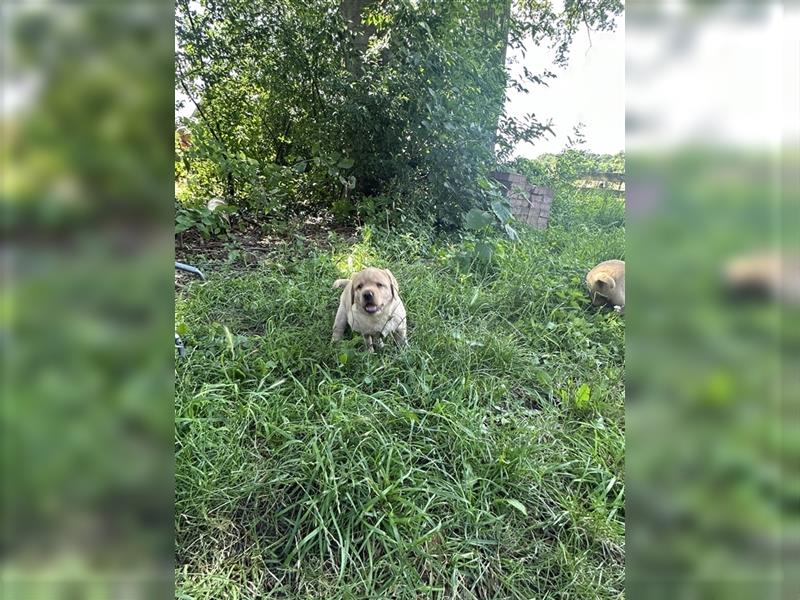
x=368, y=296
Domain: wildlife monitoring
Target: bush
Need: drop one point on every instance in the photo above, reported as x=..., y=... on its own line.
x=301, y=112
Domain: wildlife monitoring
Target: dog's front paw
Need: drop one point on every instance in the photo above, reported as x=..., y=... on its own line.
x=619, y=309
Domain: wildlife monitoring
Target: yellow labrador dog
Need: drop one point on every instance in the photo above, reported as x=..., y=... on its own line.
x=370, y=304
x=606, y=283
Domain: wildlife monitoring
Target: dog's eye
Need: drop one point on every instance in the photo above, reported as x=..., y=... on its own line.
x=359, y=286
x=379, y=285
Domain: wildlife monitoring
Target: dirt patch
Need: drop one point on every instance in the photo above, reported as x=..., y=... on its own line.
x=253, y=244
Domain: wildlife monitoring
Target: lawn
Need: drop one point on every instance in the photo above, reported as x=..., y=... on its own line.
x=483, y=461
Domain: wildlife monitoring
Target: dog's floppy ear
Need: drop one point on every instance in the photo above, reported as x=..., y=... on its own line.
x=352, y=290
x=605, y=282
x=392, y=282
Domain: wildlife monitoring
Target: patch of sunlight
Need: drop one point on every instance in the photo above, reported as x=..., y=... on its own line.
x=361, y=255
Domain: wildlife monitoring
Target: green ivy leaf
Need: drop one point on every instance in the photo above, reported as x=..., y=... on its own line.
x=346, y=163
x=478, y=219
x=484, y=251
x=502, y=210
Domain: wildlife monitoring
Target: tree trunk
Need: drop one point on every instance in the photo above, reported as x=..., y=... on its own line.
x=231, y=187
x=352, y=11
x=498, y=19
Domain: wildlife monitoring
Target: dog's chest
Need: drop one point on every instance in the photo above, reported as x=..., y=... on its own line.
x=367, y=324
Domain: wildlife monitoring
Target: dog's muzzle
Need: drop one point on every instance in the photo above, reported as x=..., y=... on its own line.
x=369, y=305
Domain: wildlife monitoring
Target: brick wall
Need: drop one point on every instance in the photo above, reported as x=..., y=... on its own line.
x=529, y=203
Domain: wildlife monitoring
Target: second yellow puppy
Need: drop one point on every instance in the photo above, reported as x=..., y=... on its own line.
x=606, y=283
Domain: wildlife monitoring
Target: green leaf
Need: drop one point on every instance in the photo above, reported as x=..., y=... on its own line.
x=300, y=167
x=478, y=219
x=582, y=396
x=502, y=210
x=511, y=232
x=484, y=251
x=229, y=338
x=346, y=163
x=518, y=505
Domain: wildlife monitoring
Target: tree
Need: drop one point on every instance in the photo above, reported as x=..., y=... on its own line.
x=355, y=106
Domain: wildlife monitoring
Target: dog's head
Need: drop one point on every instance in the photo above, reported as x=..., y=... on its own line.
x=601, y=288
x=373, y=289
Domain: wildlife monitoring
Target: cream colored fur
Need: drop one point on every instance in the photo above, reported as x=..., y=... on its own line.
x=606, y=283
x=364, y=290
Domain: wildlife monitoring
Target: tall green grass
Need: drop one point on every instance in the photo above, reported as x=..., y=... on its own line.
x=483, y=461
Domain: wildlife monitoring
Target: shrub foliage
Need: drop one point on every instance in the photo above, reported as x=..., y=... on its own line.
x=401, y=111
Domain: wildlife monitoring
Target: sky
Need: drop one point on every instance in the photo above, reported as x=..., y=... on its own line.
x=590, y=90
